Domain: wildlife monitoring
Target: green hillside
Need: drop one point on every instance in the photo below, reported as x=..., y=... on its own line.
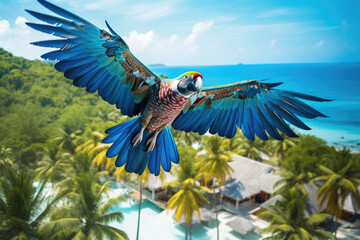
x=37, y=101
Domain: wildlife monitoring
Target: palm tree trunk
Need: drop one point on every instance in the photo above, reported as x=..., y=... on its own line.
x=336, y=219
x=186, y=231
x=138, y=224
x=190, y=231
x=216, y=214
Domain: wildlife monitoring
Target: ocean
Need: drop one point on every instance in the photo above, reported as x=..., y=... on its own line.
x=338, y=81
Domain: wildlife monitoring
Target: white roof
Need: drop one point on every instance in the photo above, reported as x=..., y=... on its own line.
x=253, y=172
x=155, y=181
x=313, y=206
x=239, y=190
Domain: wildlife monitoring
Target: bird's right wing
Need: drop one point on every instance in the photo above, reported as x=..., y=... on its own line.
x=253, y=106
x=96, y=59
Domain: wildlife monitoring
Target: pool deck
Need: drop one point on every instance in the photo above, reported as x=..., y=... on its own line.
x=133, y=192
x=163, y=221
x=226, y=213
x=136, y=196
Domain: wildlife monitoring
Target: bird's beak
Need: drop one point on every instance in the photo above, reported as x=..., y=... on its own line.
x=195, y=86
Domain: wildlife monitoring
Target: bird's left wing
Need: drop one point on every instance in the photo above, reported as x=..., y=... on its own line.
x=253, y=106
x=96, y=59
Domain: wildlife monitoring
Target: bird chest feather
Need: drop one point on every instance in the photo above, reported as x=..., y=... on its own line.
x=165, y=106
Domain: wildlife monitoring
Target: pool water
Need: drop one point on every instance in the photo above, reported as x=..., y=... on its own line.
x=158, y=224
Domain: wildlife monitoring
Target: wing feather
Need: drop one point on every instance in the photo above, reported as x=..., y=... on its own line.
x=256, y=107
x=95, y=59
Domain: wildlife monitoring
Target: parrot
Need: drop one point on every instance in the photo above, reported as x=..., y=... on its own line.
x=100, y=60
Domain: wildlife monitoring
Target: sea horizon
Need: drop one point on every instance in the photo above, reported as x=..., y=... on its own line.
x=235, y=64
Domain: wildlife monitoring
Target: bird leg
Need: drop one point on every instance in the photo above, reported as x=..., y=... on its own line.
x=138, y=137
x=150, y=143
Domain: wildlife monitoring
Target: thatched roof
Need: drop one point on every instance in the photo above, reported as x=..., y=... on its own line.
x=206, y=215
x=254, y=169
x=349, y=204
x=239, y=190
x=249, y=178
x=241, y=225
x=248, y=170
x=156, y=183
x=195, y=220
x=312, y=206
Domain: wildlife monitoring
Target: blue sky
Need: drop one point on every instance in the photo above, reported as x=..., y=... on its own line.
x=182, y=32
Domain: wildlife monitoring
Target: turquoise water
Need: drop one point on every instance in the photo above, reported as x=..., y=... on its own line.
x=157, y=224
x=339, y=81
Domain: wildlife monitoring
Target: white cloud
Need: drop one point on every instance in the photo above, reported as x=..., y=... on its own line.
x=197, y=30
x=151, y=47
x=4, y=27
x=20, y=22
x=140, y=41
x=319, y=44
x=16, y=39
x=273, y=42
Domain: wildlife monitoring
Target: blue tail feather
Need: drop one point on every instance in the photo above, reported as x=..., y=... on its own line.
x=137, y=158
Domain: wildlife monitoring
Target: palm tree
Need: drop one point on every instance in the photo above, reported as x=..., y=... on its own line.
x=23, y=208
x=293, y=177
x=186, y=138
x=86, y=213
x=93, y=141
x=186, y=201
x=278, y=148
x=232, y=145
x=214, y=165
x=186, y=167
x=80, y=162
x=252, y=149
x=52, y=165
x=337, y=182
x=288, y=221
x=110, y=115
x=97, y=150
x=67, y=139
x=6, y=160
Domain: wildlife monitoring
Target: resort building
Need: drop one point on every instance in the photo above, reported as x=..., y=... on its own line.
x=251, y=183
x=349, y=213
x=250, y=187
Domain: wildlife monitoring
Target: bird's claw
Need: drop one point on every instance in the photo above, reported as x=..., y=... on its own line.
x=137, y=139
x=150, y=144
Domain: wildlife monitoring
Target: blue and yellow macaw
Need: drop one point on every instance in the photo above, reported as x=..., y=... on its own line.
x=101, y=61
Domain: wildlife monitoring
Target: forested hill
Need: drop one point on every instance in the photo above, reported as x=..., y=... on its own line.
x=37, y=101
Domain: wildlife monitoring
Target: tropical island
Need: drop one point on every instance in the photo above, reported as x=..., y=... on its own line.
x=157, y=65
x=56, y=182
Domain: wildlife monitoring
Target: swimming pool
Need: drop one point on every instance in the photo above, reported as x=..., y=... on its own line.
x=158, y=224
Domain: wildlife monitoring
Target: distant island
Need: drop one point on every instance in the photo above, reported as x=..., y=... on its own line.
x=157, y=65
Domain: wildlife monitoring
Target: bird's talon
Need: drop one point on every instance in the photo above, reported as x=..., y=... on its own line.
x=137, y=139
x=150, y=144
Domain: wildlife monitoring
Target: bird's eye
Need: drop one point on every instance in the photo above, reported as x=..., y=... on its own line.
x=186, y=76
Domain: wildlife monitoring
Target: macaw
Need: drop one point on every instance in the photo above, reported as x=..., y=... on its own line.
x=101, y=61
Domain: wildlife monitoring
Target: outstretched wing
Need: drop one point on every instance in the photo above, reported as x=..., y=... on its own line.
x=96, y=59
x=253, y=106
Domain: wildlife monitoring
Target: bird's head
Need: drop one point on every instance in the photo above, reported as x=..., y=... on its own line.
x=190, y=83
